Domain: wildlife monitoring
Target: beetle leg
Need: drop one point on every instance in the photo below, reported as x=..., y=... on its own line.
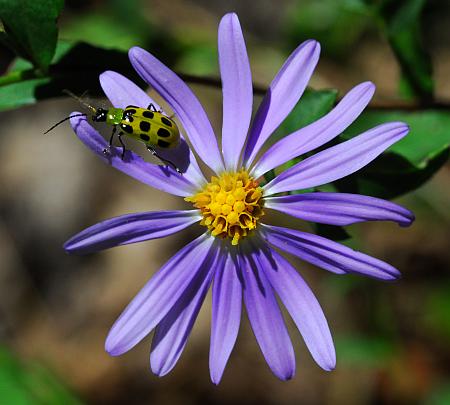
x=123, y=145
x=167, y=162
x=151, y=107
x=107, y=150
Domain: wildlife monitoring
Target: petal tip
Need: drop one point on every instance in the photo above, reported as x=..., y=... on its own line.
x=135, y=52
x=113, y=350
x=215, y=377
x=409, y=219
x=369, y=86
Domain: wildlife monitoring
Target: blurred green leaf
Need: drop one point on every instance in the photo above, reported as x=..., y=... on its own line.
x=30, y=384
x=364, y=351
x=440, y=395
x=407, y=164
x=31, y=28
x=101, y=29
x=390, y=176
x=429, y=133
x=438, y=311
x=337, y=25
x=402, y=26
x=76, y=67
x=313, y=105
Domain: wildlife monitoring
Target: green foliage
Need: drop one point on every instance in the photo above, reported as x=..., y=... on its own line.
x=408, y=163
x=429, y=133
x=30, y=384
x=313, y=105
x=400, y=21
x=437, y=310
x=30, y=28
x=76, y=66
x=364, y=351
x=336, y=24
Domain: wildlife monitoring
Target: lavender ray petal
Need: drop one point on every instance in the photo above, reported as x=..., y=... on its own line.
x=184, y=104
x=160, y=177
x=338, y=161
x=237, y=89
x=158, y=296
x=265, y=318
x=130, y=228
x=319, y=132
x=173, y=331
x=122, y=92
x=302, y=305
x=327, y=254
x=339, y=208
x=285, y=90
x=226, y=316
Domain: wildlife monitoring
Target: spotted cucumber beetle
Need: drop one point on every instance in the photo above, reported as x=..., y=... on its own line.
x=146, y=125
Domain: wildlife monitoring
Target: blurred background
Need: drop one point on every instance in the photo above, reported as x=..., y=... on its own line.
x=392, y=340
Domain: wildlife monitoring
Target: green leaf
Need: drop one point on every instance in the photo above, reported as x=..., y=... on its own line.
x=408, y=163
x=364, y=351
x=337, y=25
x=30, y=383
x=31, y=28
x=402, y=27
x=437, y=310
x=313, y=105
x=76, y=67
x=390, y=176
x=429, y=133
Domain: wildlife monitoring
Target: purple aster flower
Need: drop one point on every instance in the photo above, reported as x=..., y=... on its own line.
x=236, y=252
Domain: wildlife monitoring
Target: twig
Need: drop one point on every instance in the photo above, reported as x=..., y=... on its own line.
x=377, y=105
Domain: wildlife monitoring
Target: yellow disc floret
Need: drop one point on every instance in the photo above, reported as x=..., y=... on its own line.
x=231, y=205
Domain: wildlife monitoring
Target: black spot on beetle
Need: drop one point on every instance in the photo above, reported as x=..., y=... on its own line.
x=163, y=144
x=129, y=118
x=130, y=111
x=148, y=114
x=127, y=128
x=131, y=106
x=144, y=137
x=163, y=132
x=166, y=121
x=144, y=126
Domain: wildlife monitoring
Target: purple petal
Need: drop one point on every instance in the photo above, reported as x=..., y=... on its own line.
x=184, y=104
x=327, y=254
x=122, y=93
x=226, y=317
x=265, y=318
x=317, y=133
x=158, y=296
x=338, y=161
x=236, y=88
x=173, y=331
x=130, y=228
x=339, y=208
x=285, y=90
x=160, y=177
x=302, y=305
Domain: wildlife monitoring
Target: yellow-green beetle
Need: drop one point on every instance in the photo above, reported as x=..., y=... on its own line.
x=146, y=125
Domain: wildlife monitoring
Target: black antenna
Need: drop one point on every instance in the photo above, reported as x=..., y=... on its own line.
x=65, y=119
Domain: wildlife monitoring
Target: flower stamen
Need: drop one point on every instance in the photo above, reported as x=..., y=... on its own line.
x=231, y=205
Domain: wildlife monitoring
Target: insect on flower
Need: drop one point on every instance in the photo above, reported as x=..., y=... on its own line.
x=146, y=125
x=238, y=253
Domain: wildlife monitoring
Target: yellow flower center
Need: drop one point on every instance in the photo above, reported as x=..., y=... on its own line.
x=231, y=205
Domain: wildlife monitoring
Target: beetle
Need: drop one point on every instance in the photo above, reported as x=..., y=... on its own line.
x=146, y=125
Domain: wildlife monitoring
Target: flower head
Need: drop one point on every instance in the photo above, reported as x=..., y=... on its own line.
x=236, y=252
